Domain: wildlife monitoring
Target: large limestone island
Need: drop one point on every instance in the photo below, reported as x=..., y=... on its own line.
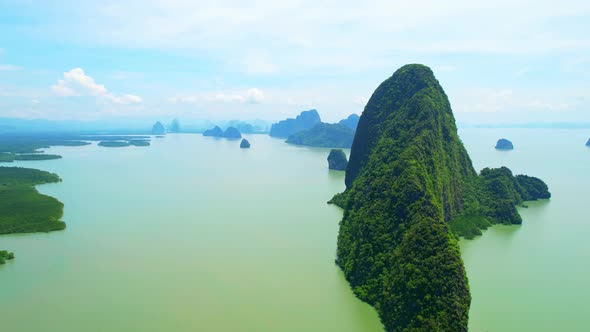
x=411, y=191
x=303, y=121
x=158, y=129
x=504, y=144
x=337, y=160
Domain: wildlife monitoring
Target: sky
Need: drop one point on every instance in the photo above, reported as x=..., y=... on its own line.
x=498, y=61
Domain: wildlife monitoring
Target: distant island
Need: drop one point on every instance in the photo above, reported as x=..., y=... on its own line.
x=351, y=122
x=214, y=132
x=232, y=133
x=174, y=126
x=411, y=192
x=588, y=143
x=326, y=135
x=244, y=144
x=288, y=127
x=10, y=157
x=113, y=144
x=337, y=160
x=158, y=129
x=504, y=144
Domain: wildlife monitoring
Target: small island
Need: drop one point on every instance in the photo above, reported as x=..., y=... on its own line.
x=175, y=126
x=113, y=144
x=214, y=132
x=504, y=144
x=5, y=256
x=588, y=143
x=337, y=160
x=232, y=133
x=158, y=129
x=244, y=144
x=139, y=142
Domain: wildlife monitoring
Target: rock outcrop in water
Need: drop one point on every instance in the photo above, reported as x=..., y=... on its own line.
x=175, y=126
x=244, y=144
x=337, y=160
x=158, y=129
x=214, y=132
x=288, y=127
x=351, y=122
x=409, y=180
x=504, y=144
x=232, y=133
x=588, y=143
x=326, y=135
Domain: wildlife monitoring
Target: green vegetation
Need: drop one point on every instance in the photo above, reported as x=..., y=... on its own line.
x=114, y=144
x=22, y=208
x=10, y=157
x=5, y=255
x=324, y=135
x=137, y=142
x=411, y=191
x=337, y=160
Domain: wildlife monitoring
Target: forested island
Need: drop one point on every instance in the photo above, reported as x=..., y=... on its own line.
x=411, y=191
x=22, y=208
x=326, y=135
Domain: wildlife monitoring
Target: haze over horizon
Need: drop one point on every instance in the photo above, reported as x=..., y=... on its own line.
x=500, y=62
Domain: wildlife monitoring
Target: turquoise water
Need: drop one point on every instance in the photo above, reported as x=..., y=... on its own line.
x=195, y=234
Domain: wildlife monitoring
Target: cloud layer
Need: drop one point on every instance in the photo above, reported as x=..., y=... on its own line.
x=76, y=83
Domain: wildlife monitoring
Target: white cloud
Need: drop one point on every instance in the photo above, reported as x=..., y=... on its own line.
x=10, y=68
x=251, y=96
x=254, y=96
x=76, y=83
x=361, y=101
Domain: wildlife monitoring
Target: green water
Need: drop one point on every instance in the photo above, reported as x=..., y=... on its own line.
x=189, y=234
x=195, y=234
x=534, y=277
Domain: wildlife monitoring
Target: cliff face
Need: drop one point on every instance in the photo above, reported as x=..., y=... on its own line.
x=303, y=121
x=411, y=191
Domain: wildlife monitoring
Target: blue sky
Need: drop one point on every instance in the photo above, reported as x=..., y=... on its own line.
x=499, y=62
